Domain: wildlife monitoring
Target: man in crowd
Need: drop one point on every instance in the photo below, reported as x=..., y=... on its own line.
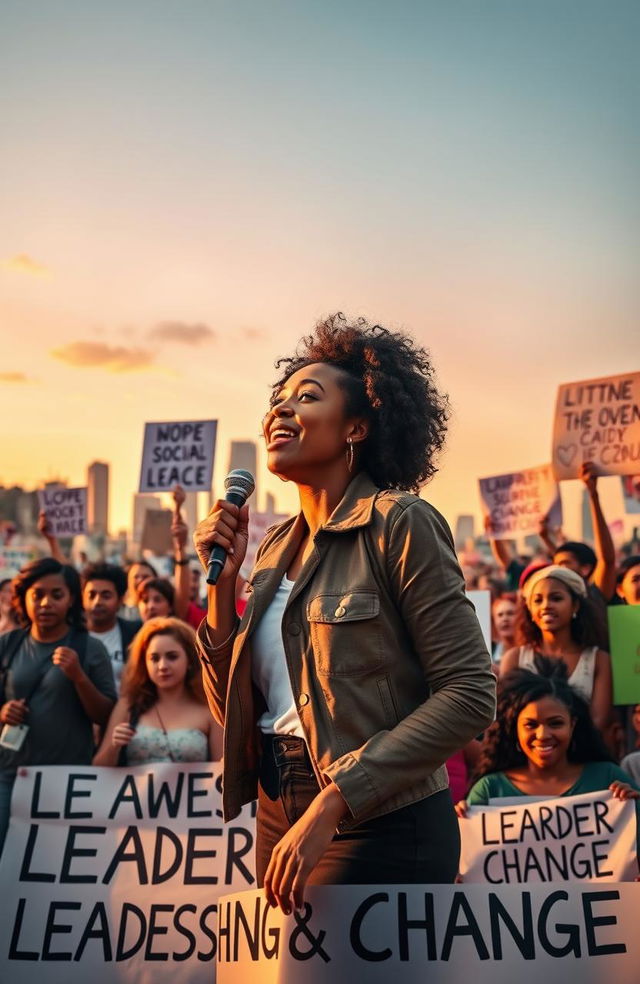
x=104, y=588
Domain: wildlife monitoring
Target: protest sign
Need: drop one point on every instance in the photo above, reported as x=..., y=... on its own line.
x=259, y=523
x=66, y=510
x=113, y=875
x=179, y=453
x=598, y=420
x=624, y=644
x=631, y=494
x=516, y=503
x=13, y=559
x=156, y=531
x=481, y=601
x=443, y=934
x=591, y=837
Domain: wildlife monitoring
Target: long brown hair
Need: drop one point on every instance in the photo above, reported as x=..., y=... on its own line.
x=139, y=691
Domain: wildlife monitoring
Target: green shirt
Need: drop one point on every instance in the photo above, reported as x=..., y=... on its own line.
x=594, y=777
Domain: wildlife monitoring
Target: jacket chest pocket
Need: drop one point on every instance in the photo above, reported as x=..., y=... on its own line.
x=345, y=633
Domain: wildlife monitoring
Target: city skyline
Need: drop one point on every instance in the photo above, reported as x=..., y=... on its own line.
x=188, y=189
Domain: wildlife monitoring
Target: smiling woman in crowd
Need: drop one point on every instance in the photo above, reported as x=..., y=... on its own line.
x=359, y=666
x=57, y=680
x=543, y=743
x=557, y=620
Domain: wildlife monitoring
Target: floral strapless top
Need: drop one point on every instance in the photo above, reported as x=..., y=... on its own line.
x=153, y=745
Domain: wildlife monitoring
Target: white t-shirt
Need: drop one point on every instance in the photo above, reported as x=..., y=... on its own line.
x=269, y=669
x=112, y=642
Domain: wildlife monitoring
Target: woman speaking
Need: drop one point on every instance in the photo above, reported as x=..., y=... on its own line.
x=359, y=666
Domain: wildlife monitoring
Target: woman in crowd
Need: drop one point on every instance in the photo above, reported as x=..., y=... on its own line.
x=156, y=598
x=628, y=581
x=137, y=573
x=7, y=617
x=556, y=620
x=503, y=616
x=543, y=743
x=162, y=715
x=359, y=666
x=56, y=679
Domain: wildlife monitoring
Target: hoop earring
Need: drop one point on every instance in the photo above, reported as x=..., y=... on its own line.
x=350, y=455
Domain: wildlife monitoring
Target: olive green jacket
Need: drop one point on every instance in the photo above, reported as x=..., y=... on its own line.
x=386, y=658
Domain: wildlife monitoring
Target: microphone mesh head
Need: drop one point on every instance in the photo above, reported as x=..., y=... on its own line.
x=240, y=480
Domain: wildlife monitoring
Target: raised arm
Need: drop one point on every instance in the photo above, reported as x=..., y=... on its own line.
x=179, y=535
x=44, y=527
x=604, y=574
x=501, y=549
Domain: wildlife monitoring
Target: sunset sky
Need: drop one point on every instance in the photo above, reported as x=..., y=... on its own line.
x=187, y=186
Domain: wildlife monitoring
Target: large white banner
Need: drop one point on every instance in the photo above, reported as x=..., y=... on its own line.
x=440, y=934
x=113, y=875
x=516, y=503
x=591, y=837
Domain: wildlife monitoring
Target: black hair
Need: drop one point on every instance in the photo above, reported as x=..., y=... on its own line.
x=519, y=687
x=162, y=586
x=625, y=566
x=106, y=572
x=388, y=380
x=38, y=569
x=583, y=553
x=584, y=627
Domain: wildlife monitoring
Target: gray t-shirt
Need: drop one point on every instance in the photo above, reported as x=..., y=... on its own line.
x=60, y=732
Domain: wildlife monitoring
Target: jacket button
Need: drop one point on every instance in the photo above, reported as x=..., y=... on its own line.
x=303, y=699
x=340, y=611
x=294, y=629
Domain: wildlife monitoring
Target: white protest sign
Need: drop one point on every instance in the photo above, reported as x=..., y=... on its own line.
x=481, y=601
x=598, y=420
x=443, y=934
x=517, y=502
x=178, y=453
x=631, y=494
x=590, y=837
x=66, y=510
x=113, y=875
x=13, y=559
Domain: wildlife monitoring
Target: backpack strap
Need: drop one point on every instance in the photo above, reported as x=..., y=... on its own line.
x=13, y=640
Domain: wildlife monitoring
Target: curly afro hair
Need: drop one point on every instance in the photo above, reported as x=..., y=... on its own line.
x=388, y=380
x=519, y=687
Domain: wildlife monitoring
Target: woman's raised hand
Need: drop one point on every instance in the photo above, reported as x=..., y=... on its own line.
x=226, y=526
x=122, y=734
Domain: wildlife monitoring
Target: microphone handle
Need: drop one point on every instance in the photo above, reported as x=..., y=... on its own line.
x=218, y=555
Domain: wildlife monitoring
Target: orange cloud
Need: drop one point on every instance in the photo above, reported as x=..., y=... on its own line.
x=180, y=331
x=14, y=377
x=23, y=263
x=98, y=355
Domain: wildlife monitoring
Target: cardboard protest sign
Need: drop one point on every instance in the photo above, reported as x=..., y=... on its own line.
x=113, y=875
x=66, y=510
x=259, y=523
x=598, y=420
x=178, y=453
x=13, y=559
x=516, y=503
x=156, y=531
x=443, y=934
x=624, y=645
x=631, y=494
x=481, y=601
x=591, y=837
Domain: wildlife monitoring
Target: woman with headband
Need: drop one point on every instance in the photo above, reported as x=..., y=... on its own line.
x=557, y=621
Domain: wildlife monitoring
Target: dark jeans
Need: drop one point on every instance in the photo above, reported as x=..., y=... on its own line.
x=417, y=844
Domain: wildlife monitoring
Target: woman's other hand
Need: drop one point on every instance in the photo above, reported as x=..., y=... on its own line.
x=68, y=661
x=461, y=808
x=623, y=791
x=296, y=855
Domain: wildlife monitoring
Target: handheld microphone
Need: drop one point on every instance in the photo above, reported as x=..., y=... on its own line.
x=239, y=485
